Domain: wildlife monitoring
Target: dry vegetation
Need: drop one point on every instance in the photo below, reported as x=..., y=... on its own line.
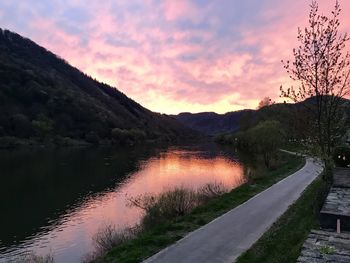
x=33, y=258
x=174, y=203
x=158, y=209
x=108, y=237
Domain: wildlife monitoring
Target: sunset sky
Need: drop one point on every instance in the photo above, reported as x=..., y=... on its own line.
x=173, y=56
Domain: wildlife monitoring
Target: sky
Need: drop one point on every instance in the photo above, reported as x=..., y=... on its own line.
x=173, y=56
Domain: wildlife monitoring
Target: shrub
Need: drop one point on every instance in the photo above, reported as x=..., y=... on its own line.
x=255, y=173
x=171, y=204
x=158, y=209
x=210, y=191
x=174, y=203
x=108, y=237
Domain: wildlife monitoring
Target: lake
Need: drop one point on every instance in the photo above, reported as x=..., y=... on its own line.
x=54, y=201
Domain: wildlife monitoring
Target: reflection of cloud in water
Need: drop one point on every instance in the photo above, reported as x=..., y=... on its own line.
x=70, y=238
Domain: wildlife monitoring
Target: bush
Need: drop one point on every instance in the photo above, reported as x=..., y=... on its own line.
x=341, y=156
x=264, y=139
x=108, y=237
x=210, y=191
x=174, y=203
x=255, y=173
x=158, y=209
x=171, y=204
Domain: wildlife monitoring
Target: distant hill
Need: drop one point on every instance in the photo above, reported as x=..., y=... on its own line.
x=211, y=123
x=45, y=98
x=292, y=116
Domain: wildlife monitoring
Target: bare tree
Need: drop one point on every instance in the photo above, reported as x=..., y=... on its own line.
x=322, y=68
x=265, y=102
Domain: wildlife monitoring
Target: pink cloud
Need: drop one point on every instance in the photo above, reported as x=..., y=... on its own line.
x=180, y=56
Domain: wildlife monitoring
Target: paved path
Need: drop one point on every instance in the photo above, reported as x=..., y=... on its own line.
x=227, y=237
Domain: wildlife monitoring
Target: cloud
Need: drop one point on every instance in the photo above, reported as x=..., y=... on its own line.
x=172, y=56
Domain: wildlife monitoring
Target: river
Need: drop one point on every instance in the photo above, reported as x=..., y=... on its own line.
x=54, y=201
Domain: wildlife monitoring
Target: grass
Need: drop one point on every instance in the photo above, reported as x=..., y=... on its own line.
x=327, y=250
x=151, y=241
x=283, y=241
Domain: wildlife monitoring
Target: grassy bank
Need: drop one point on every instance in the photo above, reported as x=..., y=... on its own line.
x=283, y=241
x=162, y=235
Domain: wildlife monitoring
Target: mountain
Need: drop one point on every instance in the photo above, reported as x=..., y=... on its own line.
x=211, y=123
x=294, y=117
x=44, y=98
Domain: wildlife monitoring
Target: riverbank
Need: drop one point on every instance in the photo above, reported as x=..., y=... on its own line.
x=159, y=237
x=51, y=142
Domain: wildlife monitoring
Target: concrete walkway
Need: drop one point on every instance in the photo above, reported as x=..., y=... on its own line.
x=227, y=237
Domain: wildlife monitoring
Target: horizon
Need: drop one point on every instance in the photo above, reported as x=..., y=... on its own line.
x=189, y=56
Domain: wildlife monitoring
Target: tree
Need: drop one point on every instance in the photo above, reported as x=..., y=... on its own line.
x=265, y=102
x=267, y=137
x=322, y=68
x=263, y=140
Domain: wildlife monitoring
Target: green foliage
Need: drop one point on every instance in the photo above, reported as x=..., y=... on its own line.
x=263, y=139
x=327, y=250
x=297, y=124
x=341, y=156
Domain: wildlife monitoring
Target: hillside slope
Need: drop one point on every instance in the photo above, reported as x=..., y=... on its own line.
x=211, y=123
x=42, y=96
x=294, y=117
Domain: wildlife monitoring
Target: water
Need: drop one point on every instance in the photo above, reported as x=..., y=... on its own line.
x=53, y=202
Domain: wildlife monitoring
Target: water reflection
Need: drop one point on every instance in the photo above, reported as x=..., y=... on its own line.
x=57, y=200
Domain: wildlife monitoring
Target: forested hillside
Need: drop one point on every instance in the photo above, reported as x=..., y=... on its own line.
x=43, y=98
x=293, y=118
x=212, y=123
